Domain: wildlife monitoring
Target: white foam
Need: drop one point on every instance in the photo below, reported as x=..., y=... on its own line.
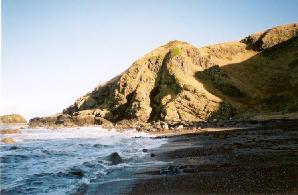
x=107, y=137
x=58, y=150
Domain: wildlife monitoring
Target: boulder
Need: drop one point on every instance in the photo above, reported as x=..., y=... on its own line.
x=152, y=155
x=115, y=158
x=103, y=122
x=77, y=172
x=82, y=120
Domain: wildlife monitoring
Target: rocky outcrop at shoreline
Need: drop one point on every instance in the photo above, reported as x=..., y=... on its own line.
x=179, y=83
x=8, y=140
x=12, y=118
x=65, y=120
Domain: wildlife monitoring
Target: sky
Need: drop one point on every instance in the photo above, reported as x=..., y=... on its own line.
x=54, y=51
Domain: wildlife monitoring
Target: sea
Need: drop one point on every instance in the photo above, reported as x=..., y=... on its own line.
x=62, y=161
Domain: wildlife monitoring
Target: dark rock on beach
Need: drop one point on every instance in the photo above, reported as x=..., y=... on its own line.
x=115, y=158
x=76, y=172
x=170, y=170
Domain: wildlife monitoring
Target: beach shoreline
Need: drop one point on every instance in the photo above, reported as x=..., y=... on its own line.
x=255, y=160
x=234, y=161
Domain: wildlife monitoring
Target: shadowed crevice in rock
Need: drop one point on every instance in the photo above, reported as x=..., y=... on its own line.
x=165, y=84
x=121, y=112
x=220, y=81
x=155, y=113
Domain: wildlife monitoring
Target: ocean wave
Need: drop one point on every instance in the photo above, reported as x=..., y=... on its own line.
x=58, y=161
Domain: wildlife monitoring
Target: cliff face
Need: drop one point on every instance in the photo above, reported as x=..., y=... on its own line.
x=179, y=82
x=160, y=86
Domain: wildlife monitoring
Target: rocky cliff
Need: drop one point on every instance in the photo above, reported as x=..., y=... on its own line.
x=12, y=118
x=254, y=78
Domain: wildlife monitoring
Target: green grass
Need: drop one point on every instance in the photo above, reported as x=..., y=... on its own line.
x=176, y=51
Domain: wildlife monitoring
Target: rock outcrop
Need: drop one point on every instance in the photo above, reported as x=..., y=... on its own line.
x=271, y=37
x=8, y=140
x=12, y=118
x=179, y=82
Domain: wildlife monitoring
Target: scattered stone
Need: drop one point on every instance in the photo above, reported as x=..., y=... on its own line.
x=152, y=155
x=170, y=170
x=145, y=150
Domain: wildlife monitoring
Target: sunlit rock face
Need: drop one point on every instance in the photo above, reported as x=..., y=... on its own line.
x=179, y=82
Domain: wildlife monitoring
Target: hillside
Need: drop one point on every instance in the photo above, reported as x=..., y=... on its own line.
x=254, y=78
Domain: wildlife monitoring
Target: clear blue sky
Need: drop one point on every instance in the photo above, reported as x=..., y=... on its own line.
x=54, y=51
